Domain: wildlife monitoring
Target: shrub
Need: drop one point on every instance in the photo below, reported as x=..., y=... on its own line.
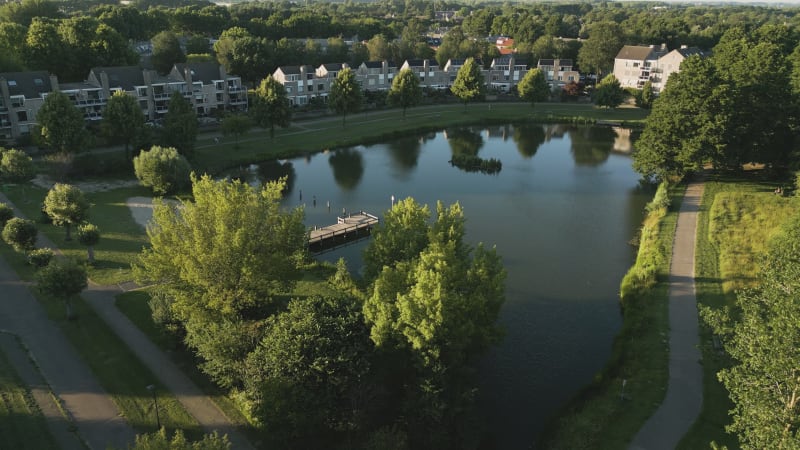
x=163, y=169
x=20, y=234
x=40, y=257
x=660, y=203
x=6, y=214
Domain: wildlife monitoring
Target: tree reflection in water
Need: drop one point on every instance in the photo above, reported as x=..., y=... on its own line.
x=348, y=167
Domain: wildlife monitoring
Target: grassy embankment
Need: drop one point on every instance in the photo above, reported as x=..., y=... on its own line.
x=738, y=215
x=601, y=416
x=22, y=425
x=122, y=239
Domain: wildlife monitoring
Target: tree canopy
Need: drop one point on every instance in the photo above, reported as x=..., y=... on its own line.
x=405, y=91
x=61, y=125
x=608, y=93
x=123, y=120
x=345, y=97
x=66, y=205
x=270, y=105
x=534, y=87
x=180, y=125
x=469, y=84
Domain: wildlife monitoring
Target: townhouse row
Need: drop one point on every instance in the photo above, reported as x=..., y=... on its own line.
x=305, y=84
x=205, y=85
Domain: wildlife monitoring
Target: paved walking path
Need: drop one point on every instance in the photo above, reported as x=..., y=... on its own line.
x=60, y=428
x=684, y=397
x=101, y=298
x=97, y=418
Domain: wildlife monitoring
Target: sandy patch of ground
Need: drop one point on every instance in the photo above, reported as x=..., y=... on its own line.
x=142, y=209
x=87, y=186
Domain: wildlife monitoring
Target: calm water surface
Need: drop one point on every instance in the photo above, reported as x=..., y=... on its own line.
x=561, y=212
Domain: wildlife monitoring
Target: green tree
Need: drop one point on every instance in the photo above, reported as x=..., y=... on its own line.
x=598, y=51
x=645, y=99
x=66, y=206
x=44, y=48
x=221, y=259
x=405, y=91
x=20, y=234
x=166, y=51
x=89, y=235
x=400, y=236
x=609, y=93
x=62, y=279
x=533, y=87
x=123, y=120
x=180, y=125
x=61, y=124
x=16, y=166
x=345, y=97
x=6, y=214
x=163, y=169
x=160, y=440
x=235, y=125
x=685, y=126
x=308, y=374
x=469, y=84
x=270, y=105
x=763, y=339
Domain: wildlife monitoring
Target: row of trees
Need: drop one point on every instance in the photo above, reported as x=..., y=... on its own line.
x=737, y=106
x=386, y=359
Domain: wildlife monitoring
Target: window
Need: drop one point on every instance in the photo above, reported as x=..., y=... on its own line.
x=321, y=87
x=17, y=101
x=38, y=82
x=12, y=82
x=22, y=116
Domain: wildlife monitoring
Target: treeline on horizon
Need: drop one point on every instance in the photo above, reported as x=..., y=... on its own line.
x=68, y=38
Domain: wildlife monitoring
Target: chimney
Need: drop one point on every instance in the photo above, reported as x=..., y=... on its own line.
x=105, y=85
x=54, y=83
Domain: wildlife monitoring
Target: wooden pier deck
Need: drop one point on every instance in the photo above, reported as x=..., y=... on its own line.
x=344, y=227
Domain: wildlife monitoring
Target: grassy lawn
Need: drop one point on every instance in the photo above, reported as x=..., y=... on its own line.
x=121, y=238
x=22, y=425
x=600, y=416
x=738, y=215
x=117, y=369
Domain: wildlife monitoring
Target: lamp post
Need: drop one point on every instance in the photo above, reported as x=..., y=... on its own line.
x=392, y=201
x=152, y=389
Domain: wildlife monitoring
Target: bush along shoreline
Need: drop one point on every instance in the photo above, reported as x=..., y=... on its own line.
x=610, y=411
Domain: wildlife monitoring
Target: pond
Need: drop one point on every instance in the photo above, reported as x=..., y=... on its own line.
x=562, y=212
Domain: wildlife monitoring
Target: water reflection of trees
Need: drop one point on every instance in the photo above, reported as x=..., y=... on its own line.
x=273, y=170
x=591, y=145
x=404, y=153
x=464, y=141
x=348, y=167
x=528, y=137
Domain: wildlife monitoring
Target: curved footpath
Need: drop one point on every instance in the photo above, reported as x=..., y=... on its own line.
x=95, y=415
x=681, y=406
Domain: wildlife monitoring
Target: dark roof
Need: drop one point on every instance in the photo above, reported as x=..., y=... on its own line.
x=125, y=77
x=29, y=84
x=201, y=71
x=290, y=70
x=689, y=51
x=332, y=66
x=415, y=62
x=635, y=52
x=373, y=64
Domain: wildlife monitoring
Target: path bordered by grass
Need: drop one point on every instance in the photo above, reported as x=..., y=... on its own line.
x=117, y=369
x=602, y=416
x=22, y=425
x=737, y=217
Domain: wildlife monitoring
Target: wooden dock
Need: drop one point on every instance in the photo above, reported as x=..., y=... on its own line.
x=349, y=226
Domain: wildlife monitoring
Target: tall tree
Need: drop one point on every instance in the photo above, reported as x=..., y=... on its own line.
x=221, y=259
x=166, y=51
x=598, y=51
x=405, y=91
x=61, y=124
x=123, y=120
x=609, y=93
x=308, y=375
x=270, y=105
x=533, y=87
x=469, y=84
x=685, y=126
x=235, y=125
x=62, y=279
x=180, y=125
x=763, y=339
x=44, y=48
x=345, y=97
x=66, y=205
x=400, y=236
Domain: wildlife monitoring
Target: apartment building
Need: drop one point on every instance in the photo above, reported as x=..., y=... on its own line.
x=558, y=72
x=205, y=85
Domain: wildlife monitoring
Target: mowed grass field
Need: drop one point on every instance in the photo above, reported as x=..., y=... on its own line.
x=739, y=214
